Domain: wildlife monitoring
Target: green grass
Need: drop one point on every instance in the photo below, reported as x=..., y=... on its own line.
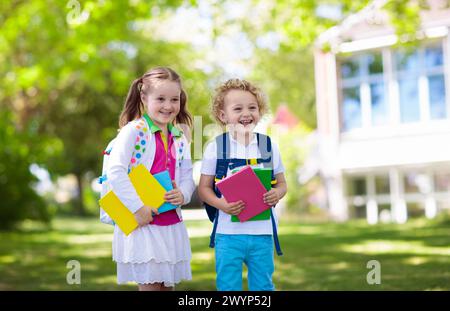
x=413, y=256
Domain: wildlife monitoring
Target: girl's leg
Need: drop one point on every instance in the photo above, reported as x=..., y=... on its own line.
x=167, y=288
x=150, y=287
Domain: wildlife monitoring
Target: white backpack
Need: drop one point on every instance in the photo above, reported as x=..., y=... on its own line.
x=141, y=140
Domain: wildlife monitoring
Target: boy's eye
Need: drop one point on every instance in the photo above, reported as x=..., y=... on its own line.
x=237, y=109
x=160, y=98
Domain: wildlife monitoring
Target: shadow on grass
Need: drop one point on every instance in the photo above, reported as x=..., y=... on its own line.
x=413, y=256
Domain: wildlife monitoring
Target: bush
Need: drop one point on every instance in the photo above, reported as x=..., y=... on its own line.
x=19, y=200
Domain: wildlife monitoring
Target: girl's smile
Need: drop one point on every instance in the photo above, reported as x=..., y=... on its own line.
x=163, y=102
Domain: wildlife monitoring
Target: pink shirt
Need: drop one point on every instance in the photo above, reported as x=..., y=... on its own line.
x=163, y=162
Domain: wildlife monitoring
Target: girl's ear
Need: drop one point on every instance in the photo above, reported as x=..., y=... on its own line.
x=143, y=98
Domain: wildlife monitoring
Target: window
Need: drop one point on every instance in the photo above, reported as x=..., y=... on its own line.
x=380, y=109
x=407, y=61
x=442, y=182
x=417, y=183
x=357, y=71
x=436, y=86
x=407, y=66
x=409, y=100
x=411, y=66
x=382, y=184
x=356, y=186
x=434, y=60
x=352, y=108
x=350, y=69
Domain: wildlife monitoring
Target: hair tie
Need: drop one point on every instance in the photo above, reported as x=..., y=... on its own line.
x=139, y=84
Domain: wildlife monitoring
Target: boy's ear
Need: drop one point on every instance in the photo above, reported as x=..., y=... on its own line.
x=222, y=116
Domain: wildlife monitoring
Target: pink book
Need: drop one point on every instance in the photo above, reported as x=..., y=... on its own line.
x=246, y=186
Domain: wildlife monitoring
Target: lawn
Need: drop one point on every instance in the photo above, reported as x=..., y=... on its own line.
x=413, y=256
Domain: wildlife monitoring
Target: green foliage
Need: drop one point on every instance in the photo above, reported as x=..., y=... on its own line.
x=19, y=200
x=282, y=75
x=70, y=64
x=294, y=151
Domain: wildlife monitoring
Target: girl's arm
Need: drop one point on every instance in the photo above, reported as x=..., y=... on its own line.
x=117, y=173
x=187, y=185
x=207, y=195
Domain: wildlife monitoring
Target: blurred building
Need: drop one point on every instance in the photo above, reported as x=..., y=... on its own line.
x=383, y=116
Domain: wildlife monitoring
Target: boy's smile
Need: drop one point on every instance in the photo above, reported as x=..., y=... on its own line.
x=240, y=108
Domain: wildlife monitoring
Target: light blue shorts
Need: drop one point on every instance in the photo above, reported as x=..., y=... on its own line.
x=256, y=251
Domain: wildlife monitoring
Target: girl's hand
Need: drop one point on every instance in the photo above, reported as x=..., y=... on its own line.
x=272, y=197
x=144, y=215
x=174, y=196
x=234, y=208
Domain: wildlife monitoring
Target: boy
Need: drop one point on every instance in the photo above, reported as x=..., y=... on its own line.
x=238, y=105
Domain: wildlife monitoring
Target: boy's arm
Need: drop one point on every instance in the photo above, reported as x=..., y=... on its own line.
x=277, y=192
x=281, y=184
x=207, y=195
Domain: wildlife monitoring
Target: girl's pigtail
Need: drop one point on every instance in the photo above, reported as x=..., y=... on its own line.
x=184, y=117
x=133, y=108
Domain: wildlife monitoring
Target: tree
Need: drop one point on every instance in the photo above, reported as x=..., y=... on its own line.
x=69, y=69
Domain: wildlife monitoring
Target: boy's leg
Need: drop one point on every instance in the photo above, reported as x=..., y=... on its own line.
x=230, y=251
x=260, y=263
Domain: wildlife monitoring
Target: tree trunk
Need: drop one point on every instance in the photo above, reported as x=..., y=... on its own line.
x=78, y=202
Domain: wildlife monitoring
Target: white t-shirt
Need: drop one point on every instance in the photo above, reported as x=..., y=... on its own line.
x=240, y=151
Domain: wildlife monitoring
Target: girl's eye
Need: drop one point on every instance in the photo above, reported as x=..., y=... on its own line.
x=160, y=98
x=237, y=109
x=175, y=99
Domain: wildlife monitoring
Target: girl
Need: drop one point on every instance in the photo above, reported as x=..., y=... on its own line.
x=157, y=254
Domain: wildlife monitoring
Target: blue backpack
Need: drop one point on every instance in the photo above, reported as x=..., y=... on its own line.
x=224, y=162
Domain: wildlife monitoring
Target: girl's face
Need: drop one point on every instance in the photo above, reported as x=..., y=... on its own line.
x=162, y=103
x=241, y=111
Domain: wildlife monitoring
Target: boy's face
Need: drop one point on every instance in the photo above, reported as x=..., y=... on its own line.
x=162, y=103
x=240, y=110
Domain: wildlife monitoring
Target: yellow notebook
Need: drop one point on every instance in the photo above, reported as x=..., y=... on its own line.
x=149, y=190
x=147, y=187
x=121, y=215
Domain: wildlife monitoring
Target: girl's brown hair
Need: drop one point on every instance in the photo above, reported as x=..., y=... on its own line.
x=134, y=107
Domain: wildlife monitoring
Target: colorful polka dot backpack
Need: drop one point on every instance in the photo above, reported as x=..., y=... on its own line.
x=141, y=142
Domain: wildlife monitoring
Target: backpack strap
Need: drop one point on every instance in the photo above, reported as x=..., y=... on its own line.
x=265, y=148
x=140, y=145
x=222, y=162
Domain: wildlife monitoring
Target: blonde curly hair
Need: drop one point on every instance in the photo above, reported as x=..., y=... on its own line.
x=237, y=84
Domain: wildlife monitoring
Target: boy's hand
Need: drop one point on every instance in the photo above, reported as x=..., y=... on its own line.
x=272, y=197
x=144, y=215
x=174, y=196
x=234, y=208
